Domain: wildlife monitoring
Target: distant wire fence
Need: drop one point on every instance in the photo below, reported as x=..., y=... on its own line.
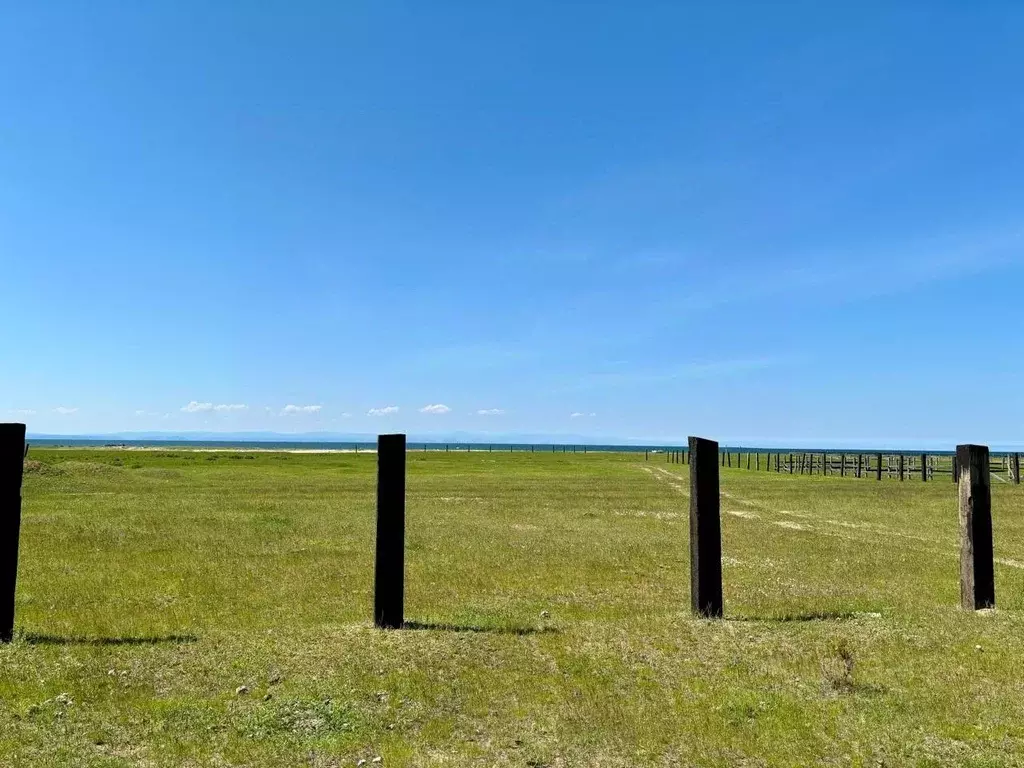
x=1003, y=467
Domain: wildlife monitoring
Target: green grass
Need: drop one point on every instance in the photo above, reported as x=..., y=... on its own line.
x=153, y=585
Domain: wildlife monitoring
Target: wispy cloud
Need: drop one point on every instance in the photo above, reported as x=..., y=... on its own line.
x=438, y=408
x=23, y=411
x=301, y=409
x=490, y=412
x=386, y=410
x=580, y=415
x=64, y=410
x=197, y=407
x=621, y=375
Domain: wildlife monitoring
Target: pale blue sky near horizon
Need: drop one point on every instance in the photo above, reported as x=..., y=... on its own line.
x=785, y=223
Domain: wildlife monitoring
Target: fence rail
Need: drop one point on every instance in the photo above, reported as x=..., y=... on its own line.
x=1003, y=467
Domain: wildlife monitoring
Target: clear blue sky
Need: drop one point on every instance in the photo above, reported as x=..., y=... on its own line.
x=785, y=222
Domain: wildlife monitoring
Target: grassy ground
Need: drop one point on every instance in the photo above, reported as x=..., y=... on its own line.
x=553, y=595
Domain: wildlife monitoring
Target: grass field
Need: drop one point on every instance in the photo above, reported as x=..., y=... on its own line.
x=194, y=609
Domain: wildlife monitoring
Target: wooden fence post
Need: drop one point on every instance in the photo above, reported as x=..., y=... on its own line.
x=842, y=465
x=757, y=461
x=791, y=463
x=389, y=574
x=12, y=461
x=902, y=461
x=878, y=469
x=1015, y=467
x=977, y=572
x=924, y=468
x=705, y=530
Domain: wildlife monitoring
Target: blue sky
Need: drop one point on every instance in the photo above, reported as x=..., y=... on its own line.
x=756, y=222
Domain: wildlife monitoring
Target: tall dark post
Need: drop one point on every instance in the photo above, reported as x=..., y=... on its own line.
x=903, y=463
x=977, y=573
x=924, y=468
x=878, y=469
x=1015, y=463
x=12, y=460
x=705, y=529
x=389, y=574
x=860, y=465
x=757, y=462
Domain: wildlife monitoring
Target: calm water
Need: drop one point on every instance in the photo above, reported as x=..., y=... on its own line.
x=285, y=445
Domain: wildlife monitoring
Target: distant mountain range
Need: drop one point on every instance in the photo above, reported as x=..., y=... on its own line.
x=349, y=437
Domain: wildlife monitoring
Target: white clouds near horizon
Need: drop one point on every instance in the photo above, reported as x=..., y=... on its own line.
x=289, y=409
x=385, y=411
x=64, y=410
x=438, y=408
x=490, y=412
x=196, y=407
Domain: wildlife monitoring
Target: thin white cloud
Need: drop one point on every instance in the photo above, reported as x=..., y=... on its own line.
x=23, y=412
x=301, y=409
x=438, y=408
x=579, y=415
x=197, y=407
x=388, y=409
x=64, y=410
x=490, y=412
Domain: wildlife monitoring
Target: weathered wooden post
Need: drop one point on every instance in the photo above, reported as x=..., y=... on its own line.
x=12, y=458
x=791, y=463
x=647, y=454
x=878, y=469
x=12, y=461
x=757, y=461
x=902, y=461
x=842, y=465
x=977, y=572
x=1015, y=468
x=924, y=468
x=860, y=465
x=389, y=573
x=705, y=530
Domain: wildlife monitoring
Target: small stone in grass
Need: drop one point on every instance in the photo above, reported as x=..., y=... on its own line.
x=267, y=697
x=376, y=760
x=544, y=614
x=360, y=762
x=241, y=690
x=978, y=648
